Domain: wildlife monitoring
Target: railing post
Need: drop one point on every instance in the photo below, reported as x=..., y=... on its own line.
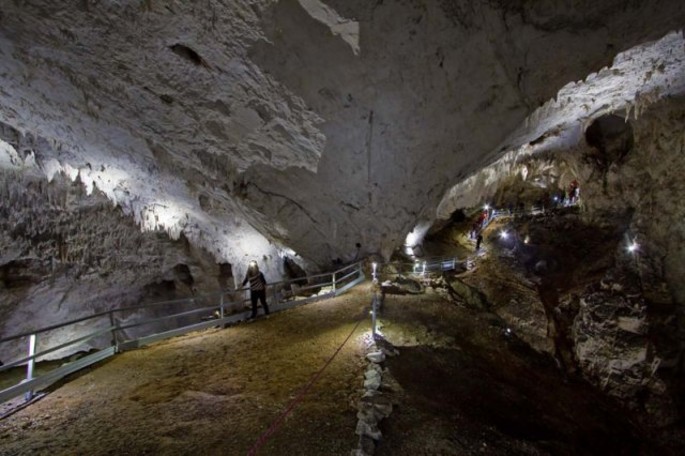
x=333, y=282
x=274, y=296
x=112, y=324
x=373, y=315
x=29, y=366
x=221, y=305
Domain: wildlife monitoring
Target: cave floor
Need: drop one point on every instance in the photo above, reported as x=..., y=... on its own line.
x=212, y=392
x=466, y=386
x=460, y=384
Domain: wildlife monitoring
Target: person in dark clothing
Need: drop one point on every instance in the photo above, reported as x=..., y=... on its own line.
x=257, y=288
x=479, y=239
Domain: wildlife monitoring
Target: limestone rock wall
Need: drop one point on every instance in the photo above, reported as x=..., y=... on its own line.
x=157, y=106
x=615, y=298
x=636, y=79
x=66, y=254
x=647, y=186
x=435, y=88
x=320, y=126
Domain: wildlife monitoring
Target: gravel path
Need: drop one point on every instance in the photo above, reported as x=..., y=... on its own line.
x=212, y=392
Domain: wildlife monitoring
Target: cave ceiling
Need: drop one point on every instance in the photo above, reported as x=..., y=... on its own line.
x=253, y=125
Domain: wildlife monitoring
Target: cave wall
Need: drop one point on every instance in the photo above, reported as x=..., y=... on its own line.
x=66, y=254
x=157, y=106
x=615, y=316
x=647, y=186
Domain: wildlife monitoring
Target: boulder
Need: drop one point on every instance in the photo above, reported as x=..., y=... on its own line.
x=376, y=357
x=467, y=294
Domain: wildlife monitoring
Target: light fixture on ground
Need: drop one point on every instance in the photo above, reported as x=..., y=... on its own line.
x=504, y=235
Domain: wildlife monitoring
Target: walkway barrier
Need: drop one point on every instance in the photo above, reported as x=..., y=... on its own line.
x=106, y=333
x=375, y=309
x=424, y=266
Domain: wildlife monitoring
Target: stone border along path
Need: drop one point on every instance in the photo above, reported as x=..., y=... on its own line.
x=374, y=405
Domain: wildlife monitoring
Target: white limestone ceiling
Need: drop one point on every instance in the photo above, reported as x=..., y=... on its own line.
x=636, y=79
x=254, y=125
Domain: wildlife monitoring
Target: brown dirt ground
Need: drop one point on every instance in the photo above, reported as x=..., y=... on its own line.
x=212, y=392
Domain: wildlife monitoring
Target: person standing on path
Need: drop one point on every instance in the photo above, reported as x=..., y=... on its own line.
x=479, y=239
x=257, y=288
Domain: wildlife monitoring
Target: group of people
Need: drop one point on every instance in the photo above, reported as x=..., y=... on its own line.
x=479, y=225
x=568, y=197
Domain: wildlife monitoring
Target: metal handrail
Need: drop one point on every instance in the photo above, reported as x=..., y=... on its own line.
x=174, y=301
x=345, y=277
x=27, y=385
x=53, y=327
x=429, y=262
x=22, y=361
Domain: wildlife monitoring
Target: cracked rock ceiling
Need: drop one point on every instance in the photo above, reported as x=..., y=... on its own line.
x=257, y=126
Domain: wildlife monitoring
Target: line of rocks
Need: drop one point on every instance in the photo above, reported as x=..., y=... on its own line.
x=375, y=404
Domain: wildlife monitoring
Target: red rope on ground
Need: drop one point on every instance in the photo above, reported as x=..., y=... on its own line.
x=277, y=423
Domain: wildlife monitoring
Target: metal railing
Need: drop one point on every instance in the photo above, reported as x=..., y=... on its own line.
x=425, y=266
x=375, y=309
x=112, y=331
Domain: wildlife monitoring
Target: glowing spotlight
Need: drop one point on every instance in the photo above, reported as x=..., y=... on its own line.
x=486, y=207
x=504, y=235
x=526, y=240
x=632, y=248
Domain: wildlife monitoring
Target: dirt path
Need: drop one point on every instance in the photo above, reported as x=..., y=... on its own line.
x=212, y=392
